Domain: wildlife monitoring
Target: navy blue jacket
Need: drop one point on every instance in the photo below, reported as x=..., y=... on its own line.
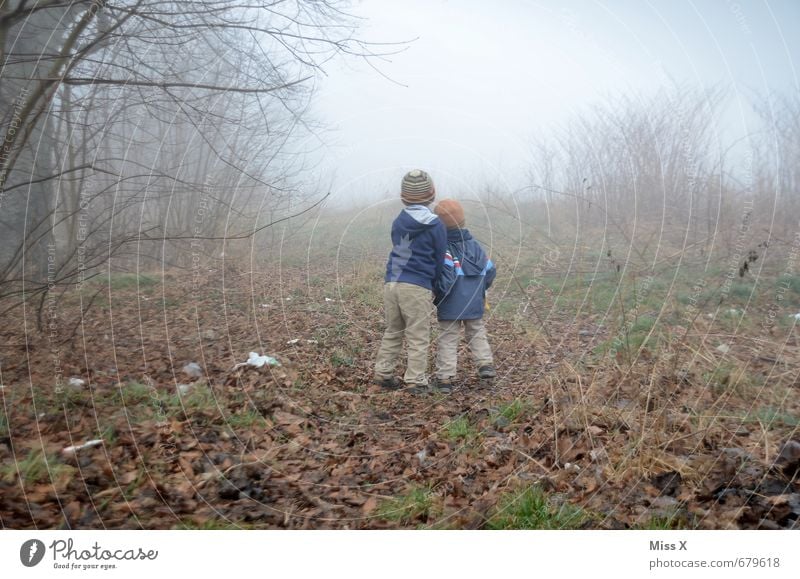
x=420, y=241
x=460, y=291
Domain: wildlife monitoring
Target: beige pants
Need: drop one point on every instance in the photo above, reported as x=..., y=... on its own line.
x=449, y=335
x=408, y=313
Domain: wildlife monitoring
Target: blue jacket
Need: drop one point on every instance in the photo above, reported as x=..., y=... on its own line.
x=460, y=291
x=420, y=241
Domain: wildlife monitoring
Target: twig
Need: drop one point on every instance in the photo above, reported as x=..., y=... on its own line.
x=534, y=461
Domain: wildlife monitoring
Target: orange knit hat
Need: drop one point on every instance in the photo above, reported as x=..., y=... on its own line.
x=451, y=213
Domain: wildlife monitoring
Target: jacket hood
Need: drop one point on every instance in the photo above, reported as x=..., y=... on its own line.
x=457, y=235
x=415, y=219
x=471, y=260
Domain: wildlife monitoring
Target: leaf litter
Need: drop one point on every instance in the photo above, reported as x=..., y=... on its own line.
x=312, y=443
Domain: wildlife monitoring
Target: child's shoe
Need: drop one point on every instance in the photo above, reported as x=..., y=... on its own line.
x=442, y=386
x=487, y=372
x=393, y=383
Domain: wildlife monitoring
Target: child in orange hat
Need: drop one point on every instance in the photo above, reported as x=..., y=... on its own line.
x=460, y=298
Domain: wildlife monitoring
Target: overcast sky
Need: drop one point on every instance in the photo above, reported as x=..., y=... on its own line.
x=481, y=78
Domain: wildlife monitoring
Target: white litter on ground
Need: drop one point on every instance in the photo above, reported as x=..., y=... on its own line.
x=85, y=445
x=76, y=382
x=255, y=360
x=724, y=348
x=193, y=370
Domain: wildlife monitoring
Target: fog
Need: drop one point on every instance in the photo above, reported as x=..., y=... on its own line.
x=476, y=81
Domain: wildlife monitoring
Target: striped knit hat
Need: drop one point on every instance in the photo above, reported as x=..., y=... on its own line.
x=417, y=188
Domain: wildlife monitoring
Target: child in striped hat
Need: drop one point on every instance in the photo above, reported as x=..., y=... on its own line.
x=419, y=240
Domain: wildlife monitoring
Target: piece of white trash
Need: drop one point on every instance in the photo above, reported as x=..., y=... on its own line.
x=257, y=361
x=724, y=348
x=193, y=370
x=85, y=445
x=254, y=360
x=76, y=382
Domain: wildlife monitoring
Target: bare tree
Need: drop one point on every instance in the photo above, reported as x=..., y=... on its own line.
x=636, y=161
x=134, y=127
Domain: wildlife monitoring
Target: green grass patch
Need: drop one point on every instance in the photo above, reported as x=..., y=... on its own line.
x=133, y=393
x=602, y=297
x=513, y=410
x=366, y=290
x=248, y=419
x=461, y=429
x=792, y=282
x=5, y=430
x=643, y=325
x=35, y=468
x=109, y=434
x=532, y=508
x=741, y=290
x=340, y=358
x=199, y=398
x=69, y=397
x=672, y=520
x=640, y=335
x=504, y=308
x=627, y=341
x=417, y=505
x=727, y=377
x=771, y=416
